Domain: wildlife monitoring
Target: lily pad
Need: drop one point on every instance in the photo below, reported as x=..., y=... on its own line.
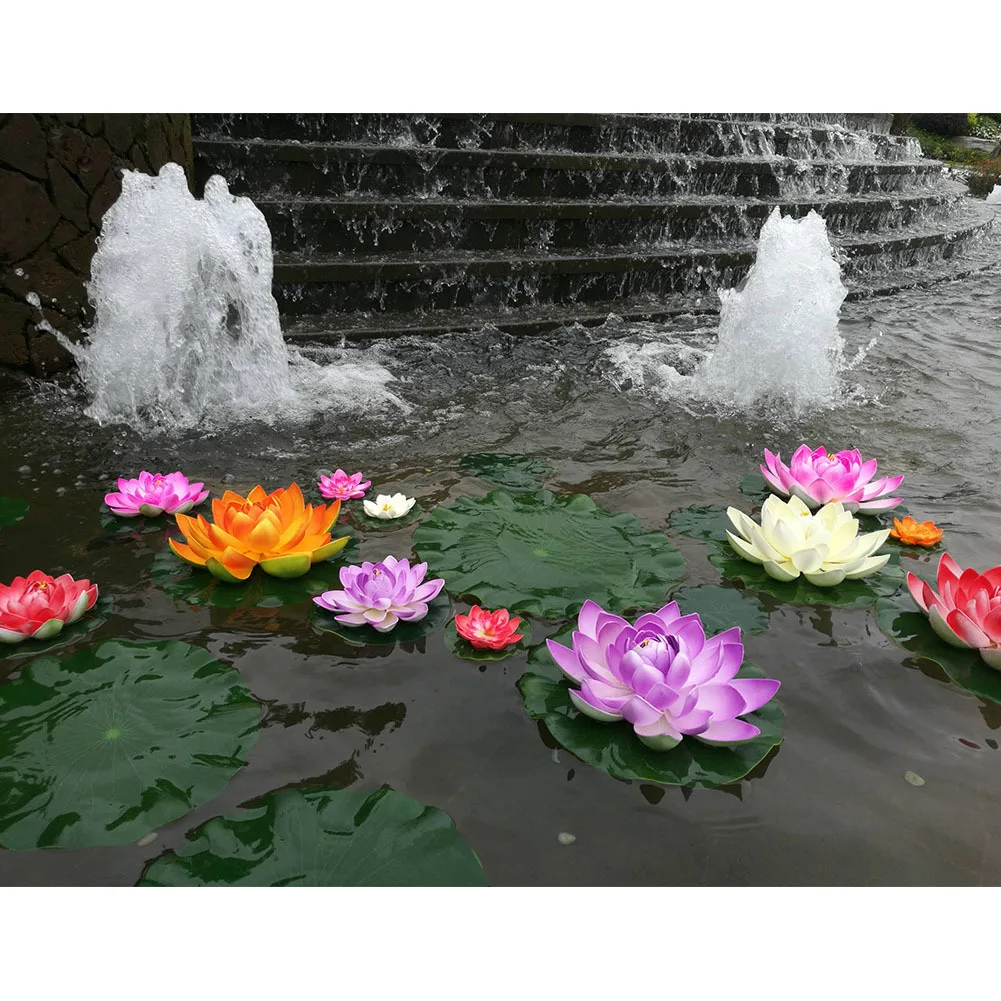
x=139, y=525
x=323, y=837
x=516, y=473
x=198, y=587
x=70, y=634
x=439, y=612
x=847, y=594
x=907, y=626
x=754, y=485
x=708, y=522
x=464, y=649
x=615, y=748
x=723, y=607
x=546, y=555
x=104, y=746
x=12, y=509
x=357, y=518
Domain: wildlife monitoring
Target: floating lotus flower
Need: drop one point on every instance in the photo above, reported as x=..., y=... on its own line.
x=277, y=531
x=386, y=506
x=824, y=547
x=342, y=487
x=153, y=493
x=817, y=478
x=966, y=611
x=382, y=594
x=38, y=606
x=663, y=676
x=487, y=630
x=916, y=533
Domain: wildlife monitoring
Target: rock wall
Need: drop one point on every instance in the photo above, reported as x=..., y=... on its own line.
x=58, y=176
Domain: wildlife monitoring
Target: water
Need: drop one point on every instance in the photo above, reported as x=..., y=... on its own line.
x=834, y=805
x=994, y=196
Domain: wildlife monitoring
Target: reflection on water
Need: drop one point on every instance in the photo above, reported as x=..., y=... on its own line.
x=831, y=805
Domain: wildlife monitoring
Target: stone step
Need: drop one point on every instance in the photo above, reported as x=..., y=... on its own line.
x=570, y=132
x=262, y=169
x=393, y=283
x=346, y=226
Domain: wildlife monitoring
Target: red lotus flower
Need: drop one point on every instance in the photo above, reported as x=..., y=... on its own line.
x=488, y=630
x=38, y=606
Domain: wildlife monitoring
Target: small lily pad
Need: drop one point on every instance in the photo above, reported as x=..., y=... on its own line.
x=908, y=626
x=439, y=612
x=914, y=779
x=101, y=747
x=546, y=555
x=70, y=634
x=847, y=594
x=516, y=473
x=723, y=607
x=323, y=837
x=709, y=522
x=464, y=649
x=615, y=748
x=357, y=517
x=754, y=485
x=12, y=509
x=139, y=525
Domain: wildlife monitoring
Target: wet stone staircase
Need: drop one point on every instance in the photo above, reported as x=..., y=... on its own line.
x=389, y=224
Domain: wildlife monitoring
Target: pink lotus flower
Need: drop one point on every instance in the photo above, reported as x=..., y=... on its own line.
x=342, y=487
x=152, y=494
x=817, y=478
x=487, y=630
x=38, y=606
x=663, y=676
x=966, y=612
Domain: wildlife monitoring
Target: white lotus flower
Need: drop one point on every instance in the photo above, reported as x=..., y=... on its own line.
x=386, y=506
x=824, y=547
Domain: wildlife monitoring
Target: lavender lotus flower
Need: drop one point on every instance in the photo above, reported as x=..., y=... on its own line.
x=663, y=676
x=153, y=493
x=817, y=478
x=340, y=486
x=382, y=594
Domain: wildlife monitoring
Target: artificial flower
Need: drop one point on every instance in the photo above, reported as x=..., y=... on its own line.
x=662, y=675
x=487, y=630
x=342, y=487
x=381, y=594
x=916, y=533
x=386, y=506
x=38, y=606
x=153, y=493
x=824, y=547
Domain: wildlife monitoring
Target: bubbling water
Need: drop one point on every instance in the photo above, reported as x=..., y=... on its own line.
x=186, y=330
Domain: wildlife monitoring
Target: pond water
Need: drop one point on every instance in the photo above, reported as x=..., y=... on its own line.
x=831, y=806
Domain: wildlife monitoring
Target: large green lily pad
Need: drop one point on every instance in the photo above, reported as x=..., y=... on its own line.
x=723, y=607
x=324, y=837
x=546, y=555
x=104, y=746
x=615, y=748
x=12, y=509
x=516, y=473
x=698, y=522
x=908, y=626
x=439, y=612
x=847, y=594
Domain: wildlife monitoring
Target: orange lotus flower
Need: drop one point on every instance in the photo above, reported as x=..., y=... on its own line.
x=277, y=531
x=916, y=533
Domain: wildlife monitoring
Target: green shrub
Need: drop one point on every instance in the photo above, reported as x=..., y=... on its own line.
x=940, y=148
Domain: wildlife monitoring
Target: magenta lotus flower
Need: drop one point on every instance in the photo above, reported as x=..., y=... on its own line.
x=342, y=487
x=382, y=594
x=39, y=605
x=663, y=676
x=152, y=494
x=817, y=478
x=966, y=611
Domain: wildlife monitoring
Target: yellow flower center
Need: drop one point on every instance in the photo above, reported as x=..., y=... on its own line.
x=39, y=585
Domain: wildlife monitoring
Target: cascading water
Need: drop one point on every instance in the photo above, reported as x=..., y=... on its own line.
x=778, y=336
x=186, y=330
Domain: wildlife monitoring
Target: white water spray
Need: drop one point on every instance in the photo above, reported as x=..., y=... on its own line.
x=186, y=329
x=778, y=339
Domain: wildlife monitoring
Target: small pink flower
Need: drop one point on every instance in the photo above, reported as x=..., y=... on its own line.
x=152, y=494
x=342, y=487
x=38, y=606
x=486, y=630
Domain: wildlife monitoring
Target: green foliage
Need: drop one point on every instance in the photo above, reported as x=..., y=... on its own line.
x=941, y=148
x=983, y=177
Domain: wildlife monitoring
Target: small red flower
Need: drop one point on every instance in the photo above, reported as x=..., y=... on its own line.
x=487, y=630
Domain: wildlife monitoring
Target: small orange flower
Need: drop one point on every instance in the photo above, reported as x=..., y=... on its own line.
x=916, y=533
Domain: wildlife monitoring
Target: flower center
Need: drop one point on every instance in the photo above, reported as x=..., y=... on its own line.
x=40, y=585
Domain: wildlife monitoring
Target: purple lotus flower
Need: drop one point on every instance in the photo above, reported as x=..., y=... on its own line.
x=382, y=594
x=153, y=493
x=342, y=487
x=663, y=676
x=817, y=478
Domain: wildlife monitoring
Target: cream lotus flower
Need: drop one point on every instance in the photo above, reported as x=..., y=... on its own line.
x=386, y=506
x=824, y=547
